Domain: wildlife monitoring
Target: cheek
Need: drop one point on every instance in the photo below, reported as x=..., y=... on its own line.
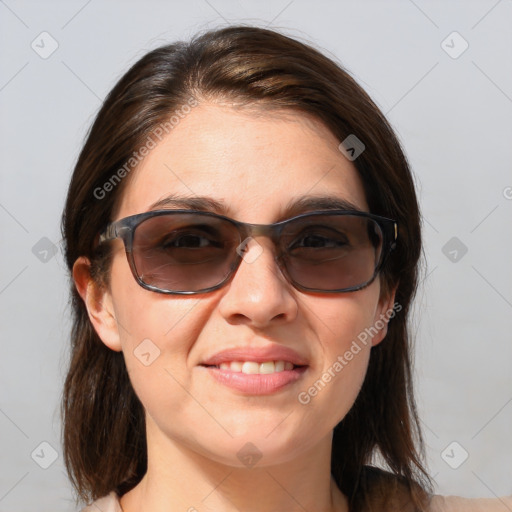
x=157, y=332
x=142, y=314
x=344, y=320
x=342, y=331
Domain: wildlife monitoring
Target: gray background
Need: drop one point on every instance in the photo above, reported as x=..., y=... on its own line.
x=452, y=114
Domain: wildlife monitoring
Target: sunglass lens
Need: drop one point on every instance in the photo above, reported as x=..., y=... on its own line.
x=184, y=252
x=332, y=252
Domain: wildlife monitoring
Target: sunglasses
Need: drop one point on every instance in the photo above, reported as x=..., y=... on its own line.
x=188, y=252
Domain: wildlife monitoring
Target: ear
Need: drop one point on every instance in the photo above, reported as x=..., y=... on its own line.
x=386, y=310
x=99, y=304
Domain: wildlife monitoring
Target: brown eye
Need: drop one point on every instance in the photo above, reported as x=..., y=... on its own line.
x=188, y=241
x=318, y=241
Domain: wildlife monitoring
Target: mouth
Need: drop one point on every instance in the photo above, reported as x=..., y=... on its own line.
x=256, y=370
x=256, y=378
x=255, y=367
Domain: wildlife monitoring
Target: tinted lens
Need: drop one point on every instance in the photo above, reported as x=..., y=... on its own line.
x=193, y=252
x=184, y=252
x=332, y=252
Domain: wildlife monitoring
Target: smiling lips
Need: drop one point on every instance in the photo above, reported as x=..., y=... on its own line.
x=258, y=371
x=253, y=367
x=263, y=354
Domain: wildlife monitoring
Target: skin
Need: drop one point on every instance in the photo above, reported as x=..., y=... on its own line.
x=254, y=163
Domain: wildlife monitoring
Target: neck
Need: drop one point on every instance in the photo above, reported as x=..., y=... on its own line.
x=179, y=478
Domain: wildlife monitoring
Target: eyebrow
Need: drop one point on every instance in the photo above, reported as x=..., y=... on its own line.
x=201, y=203
x=294, y=207
x=312, y=203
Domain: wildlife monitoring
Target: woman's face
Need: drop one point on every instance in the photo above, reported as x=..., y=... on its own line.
x=255, y=166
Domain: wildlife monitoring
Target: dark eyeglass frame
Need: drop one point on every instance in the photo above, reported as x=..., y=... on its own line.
x=125, y=230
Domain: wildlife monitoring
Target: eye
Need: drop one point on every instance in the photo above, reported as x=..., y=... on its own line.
x=319, y=238
x=186, y=241
x=189, y=241
x=319, y=241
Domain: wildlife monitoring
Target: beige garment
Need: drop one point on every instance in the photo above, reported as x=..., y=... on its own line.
x=111, y=503
x=457, y=504
x=108, y=503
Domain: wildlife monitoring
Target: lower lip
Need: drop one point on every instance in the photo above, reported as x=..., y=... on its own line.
x=256, y=384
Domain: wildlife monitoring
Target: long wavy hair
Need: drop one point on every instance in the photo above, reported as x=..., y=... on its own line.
x=103, y=420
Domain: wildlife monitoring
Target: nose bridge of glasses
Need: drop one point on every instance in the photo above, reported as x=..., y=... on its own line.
x=270, y=231
x=251, y=248
x=260, y=230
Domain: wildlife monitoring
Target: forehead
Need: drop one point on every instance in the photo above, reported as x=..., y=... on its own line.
x=252, y=162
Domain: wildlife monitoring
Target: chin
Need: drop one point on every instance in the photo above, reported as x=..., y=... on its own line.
x=257, y=448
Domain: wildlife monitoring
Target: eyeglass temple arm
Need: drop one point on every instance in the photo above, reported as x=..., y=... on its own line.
x=110, y=233
x=394, y=236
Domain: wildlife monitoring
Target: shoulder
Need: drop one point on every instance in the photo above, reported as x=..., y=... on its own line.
x=380, y=490
x=386, y=491
x=109, y=503
x=458, y=504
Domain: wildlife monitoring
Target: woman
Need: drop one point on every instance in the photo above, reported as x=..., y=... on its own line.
x=243, y=236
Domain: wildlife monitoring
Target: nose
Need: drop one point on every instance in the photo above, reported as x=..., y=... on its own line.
x=258, y=294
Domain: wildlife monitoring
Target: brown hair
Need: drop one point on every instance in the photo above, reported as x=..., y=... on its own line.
x=104, y=429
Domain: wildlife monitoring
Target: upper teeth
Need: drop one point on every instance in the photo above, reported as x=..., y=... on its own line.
x=252, y=367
